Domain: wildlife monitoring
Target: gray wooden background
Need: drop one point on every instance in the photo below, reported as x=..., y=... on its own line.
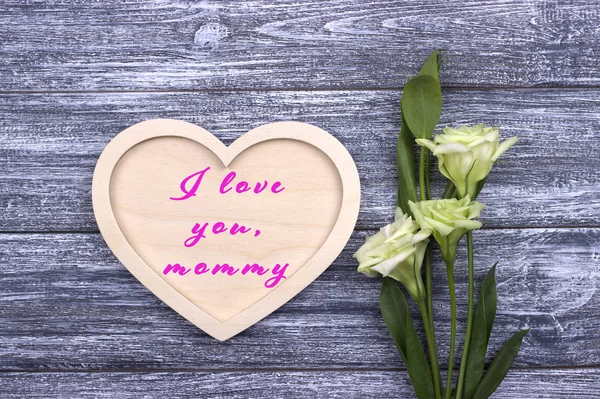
x=74, y=73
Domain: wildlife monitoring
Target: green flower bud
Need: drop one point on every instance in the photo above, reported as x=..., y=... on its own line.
x=395, y=251
x=447, y=220
x=466, y=155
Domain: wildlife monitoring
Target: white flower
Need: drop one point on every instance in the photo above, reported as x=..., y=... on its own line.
x=447, y=220
x=395, y=251
x=466, y=155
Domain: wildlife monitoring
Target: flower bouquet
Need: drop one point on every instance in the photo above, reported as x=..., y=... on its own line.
x=399, y=250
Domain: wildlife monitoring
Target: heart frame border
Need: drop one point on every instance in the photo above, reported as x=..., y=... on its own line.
x=317, y=264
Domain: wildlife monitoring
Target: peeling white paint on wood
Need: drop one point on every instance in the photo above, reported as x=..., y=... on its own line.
x=49, y=144
x=178, y=44
x=575, y=384
x=67, y=303
x=68, y=307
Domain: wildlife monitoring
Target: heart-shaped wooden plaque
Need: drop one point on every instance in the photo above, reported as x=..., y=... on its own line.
x=225, y=235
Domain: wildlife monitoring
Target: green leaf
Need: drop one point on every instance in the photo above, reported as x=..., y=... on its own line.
x=483, y=320
x=422, y=105
x=405, y=156
x=396, y=314
x=405, y=159
x=432, y=65
x=499, y=367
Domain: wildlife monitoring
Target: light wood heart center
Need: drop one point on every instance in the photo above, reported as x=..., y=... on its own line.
x=282, y=228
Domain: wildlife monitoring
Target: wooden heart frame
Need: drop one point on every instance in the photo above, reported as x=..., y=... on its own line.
x=324, y=256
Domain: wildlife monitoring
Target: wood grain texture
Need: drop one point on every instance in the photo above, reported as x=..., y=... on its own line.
x=68, y=304
x=180, y=44
x=49, y=145
x=549, y=384
x=80, y=325
x=305, y=222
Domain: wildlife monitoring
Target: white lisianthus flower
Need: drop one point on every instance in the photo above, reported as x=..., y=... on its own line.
x=447, y=220
x=396, y=251
x=466, y=155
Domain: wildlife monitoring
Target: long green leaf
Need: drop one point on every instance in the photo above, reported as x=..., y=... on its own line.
x=405, y=159
x=422, y=105
x=432, y=65
x=499, y=367
x=405, y=156
x=483, y=320
x=396, y=314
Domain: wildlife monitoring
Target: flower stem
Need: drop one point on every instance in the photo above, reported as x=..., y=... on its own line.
x=463, y=362
x=427, y=174
x=422, y=170
x=450, y=271
x=429, y=289
x=435, y=368
x=429, y=327
x=424, y=191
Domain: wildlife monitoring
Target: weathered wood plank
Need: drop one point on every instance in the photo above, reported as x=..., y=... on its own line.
x=177, y=44
x=519, y=384
x=49, y=145
x=67, y=303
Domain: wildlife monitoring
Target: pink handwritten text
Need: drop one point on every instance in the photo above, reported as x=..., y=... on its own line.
x=190, y=185
x=199, y=231
x=277, y=273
